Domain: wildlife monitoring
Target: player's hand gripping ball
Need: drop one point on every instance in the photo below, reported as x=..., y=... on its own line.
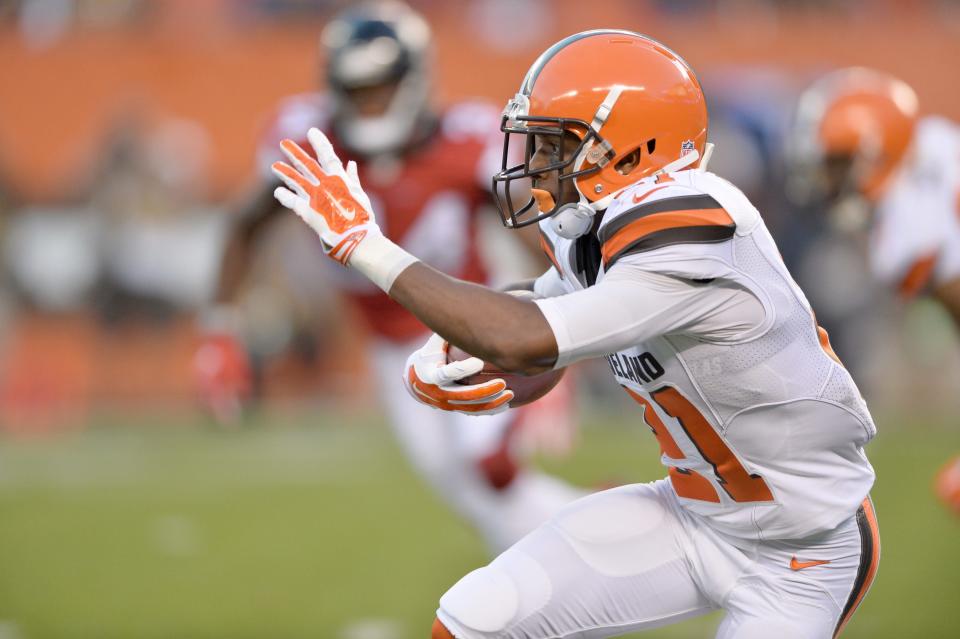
x=433, y=380
x=526, y=388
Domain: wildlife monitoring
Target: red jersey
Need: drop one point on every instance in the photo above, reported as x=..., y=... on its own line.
x=428, y=200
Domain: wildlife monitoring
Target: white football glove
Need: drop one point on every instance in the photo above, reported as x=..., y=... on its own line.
x=431, y=380
x=331, y=201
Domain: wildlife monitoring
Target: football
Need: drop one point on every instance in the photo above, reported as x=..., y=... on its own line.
x=526, y=388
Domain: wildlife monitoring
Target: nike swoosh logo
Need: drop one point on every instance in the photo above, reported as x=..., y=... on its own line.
x=637, y=199
x=800, y=565
x=348, y=214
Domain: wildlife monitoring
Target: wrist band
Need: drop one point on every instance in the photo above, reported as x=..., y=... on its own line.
x=380, y=260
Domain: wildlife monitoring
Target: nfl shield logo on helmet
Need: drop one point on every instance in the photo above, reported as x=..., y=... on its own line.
x=686, y=147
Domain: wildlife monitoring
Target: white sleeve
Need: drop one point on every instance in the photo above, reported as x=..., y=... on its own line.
x=550, y=284
x=631, y=305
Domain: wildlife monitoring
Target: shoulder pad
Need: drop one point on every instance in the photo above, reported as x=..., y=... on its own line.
x=652, y=215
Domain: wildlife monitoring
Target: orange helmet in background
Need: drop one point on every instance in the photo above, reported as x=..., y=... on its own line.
x=860, y=114
x=624, y=96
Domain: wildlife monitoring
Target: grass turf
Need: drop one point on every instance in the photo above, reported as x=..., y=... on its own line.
x=297, y=528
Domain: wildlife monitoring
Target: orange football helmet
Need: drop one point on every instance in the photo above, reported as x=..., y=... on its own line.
x=861, y=118
x=620, y=93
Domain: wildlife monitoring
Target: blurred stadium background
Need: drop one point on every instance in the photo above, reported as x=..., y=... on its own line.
x=128, y=131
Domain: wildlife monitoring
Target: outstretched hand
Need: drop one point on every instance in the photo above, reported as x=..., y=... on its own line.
x=325, y=195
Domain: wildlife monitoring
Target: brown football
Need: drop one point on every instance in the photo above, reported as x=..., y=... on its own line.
x=526, y=388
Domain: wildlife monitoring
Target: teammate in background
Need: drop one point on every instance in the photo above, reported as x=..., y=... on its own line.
x=428, y=174
x=860, y=150
x=669, y=272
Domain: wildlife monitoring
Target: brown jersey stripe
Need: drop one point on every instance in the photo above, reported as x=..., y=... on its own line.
x=869, y=560
x=679, y=203
x=547, y=246
x=664, y=229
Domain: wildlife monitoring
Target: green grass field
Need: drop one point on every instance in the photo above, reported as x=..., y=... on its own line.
x=307, y=527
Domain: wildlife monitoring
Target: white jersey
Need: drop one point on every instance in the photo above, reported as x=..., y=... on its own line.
x=915, y=239
x=761, y=427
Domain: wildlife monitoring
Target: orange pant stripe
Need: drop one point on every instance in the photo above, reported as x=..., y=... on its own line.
x=869, y=560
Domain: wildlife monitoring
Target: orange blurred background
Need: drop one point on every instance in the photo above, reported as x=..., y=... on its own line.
x=192, y=60
x=68, y=90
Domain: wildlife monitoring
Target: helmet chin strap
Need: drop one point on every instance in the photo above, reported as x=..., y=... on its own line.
x=576, y=219
x=686, y=160
x=573, y=220
x=707, y=154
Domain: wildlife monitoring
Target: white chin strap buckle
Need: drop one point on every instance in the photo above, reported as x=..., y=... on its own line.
x=573, y=220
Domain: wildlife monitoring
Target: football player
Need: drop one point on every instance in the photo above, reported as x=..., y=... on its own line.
x=427, y=182
x=860, y=150
x=669, y=273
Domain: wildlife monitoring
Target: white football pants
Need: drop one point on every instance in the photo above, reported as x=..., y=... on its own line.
x=631, y=558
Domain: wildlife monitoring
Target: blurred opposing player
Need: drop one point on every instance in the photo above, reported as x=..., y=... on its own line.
x=428, y=182
x=668, y=272
x=860, y=149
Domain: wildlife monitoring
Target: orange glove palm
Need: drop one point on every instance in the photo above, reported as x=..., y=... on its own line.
x=327, y=196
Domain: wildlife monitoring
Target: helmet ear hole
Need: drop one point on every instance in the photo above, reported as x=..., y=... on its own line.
x=629, y=162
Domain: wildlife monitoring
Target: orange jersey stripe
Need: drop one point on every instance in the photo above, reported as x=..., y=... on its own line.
x=547, y=249
x=918, y=276
x=692, y=485
x=668, y=446
x=686, y=483
x=825, y=344
x=649, y=224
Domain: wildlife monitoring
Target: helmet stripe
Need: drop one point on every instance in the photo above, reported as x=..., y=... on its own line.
x=528, y=81
x=533, y=73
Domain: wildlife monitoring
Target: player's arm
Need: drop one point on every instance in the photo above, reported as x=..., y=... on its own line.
x=223, y=373
x=633, y=304
x=257, y=213
x=499, y=328
x=628, y=307
x=514, y=334
x=547, y=285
